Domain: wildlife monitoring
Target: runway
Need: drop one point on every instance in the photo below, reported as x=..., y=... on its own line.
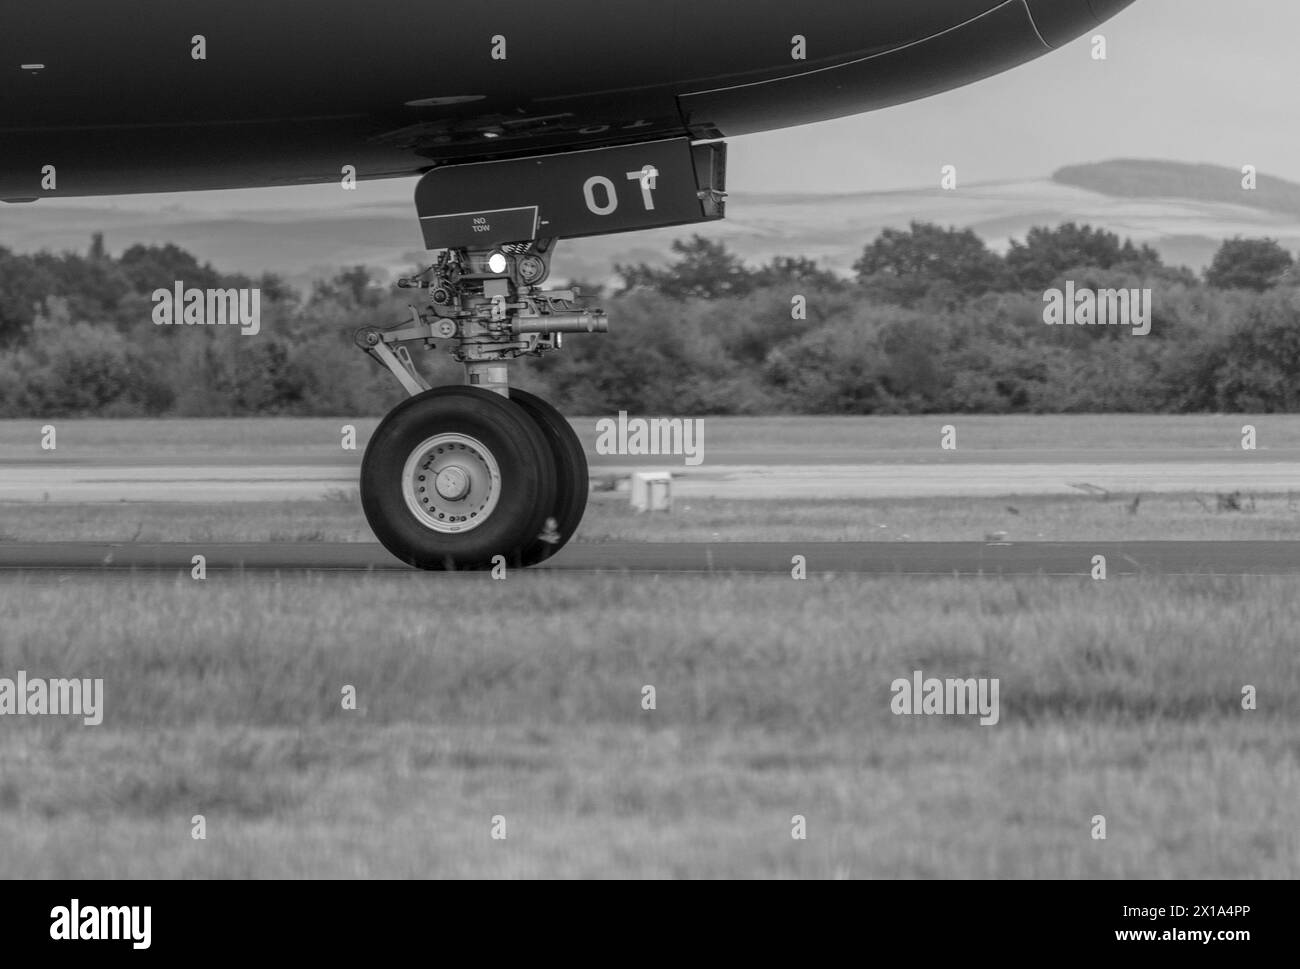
x=772, y=558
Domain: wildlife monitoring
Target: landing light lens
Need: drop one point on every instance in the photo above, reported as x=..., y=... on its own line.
x=497, y=263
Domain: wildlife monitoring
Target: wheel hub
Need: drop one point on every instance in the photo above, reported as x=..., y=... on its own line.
x=451, y=483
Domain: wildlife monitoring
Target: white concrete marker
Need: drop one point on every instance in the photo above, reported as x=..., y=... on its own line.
x=652, y=491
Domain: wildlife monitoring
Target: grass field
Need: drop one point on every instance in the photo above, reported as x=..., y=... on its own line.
x=609, y=518
x=523, y=699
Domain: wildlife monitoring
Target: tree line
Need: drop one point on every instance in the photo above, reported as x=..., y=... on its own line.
x=931, y=321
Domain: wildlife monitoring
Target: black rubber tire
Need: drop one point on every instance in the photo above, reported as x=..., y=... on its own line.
x=572, y=484
x=523, y=456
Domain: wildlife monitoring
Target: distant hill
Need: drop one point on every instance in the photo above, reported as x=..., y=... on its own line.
x=1130, y=178
x=1183, y=211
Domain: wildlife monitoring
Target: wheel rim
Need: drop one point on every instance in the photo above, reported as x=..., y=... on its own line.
x=451, y=483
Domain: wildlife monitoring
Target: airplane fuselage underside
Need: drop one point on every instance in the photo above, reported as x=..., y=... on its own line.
x=159, y=96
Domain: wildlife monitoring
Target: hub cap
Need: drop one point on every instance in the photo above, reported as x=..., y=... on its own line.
x=451, y=483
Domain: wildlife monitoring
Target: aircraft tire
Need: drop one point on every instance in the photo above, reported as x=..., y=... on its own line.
x=457, y=476
x=571, y=484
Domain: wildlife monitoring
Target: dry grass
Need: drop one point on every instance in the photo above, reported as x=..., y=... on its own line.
x=522, y=698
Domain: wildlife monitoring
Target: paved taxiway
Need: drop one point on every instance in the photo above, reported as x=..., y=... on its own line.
x=727, y=475
x=910, y=558
x=1008, y=474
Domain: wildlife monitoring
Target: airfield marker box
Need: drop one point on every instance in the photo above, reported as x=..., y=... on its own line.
x=652, y=491
x=571, y=195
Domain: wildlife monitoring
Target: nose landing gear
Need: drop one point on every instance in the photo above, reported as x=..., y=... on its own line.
x=455, y=477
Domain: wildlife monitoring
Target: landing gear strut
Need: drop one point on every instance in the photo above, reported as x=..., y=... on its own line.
x=455, y=477
x=463, y=477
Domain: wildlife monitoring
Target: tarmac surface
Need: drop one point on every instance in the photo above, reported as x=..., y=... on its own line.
x=729, y=474
x=985, y=474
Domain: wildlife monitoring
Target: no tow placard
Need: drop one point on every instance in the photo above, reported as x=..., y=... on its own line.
x=570, y=195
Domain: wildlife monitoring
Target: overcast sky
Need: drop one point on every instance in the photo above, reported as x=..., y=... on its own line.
x=1186, y=80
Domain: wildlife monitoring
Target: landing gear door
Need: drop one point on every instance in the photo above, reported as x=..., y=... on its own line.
x=574, y=194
